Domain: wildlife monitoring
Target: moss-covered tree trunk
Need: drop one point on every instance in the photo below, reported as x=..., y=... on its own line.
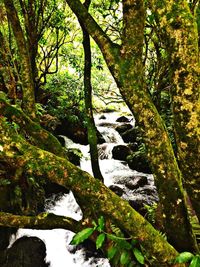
x=33, y=32
x=179, y=28
x=6, y=70
x=28, y=102
x=33, y=131
x=125, y=64
x=91, y=128
x=34, y=162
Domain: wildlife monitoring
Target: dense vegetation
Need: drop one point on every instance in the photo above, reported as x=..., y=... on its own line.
x=144, y=54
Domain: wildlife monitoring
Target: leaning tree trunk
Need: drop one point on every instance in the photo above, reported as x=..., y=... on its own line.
x=179, y=30
x=28, y=102
x=125, y=64
x=34, y=162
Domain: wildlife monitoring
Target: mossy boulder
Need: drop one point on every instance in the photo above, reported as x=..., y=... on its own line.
x=138, y=161
x=132, y=135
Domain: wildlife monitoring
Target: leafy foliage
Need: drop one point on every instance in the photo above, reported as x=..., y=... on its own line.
x=184, y=257
x=122, y=251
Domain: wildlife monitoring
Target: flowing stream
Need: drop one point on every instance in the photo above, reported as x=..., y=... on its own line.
x=114, y=171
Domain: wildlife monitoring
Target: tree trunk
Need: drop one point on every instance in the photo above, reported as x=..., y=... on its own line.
x=28, y=102
x=91, y=129
x=32, y=29
x=39, y=163
x=125, y=64
x=179, y=29
x=33, y=131
x=6, y=69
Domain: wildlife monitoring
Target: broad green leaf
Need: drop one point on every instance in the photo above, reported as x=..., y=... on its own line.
x=100, y=240
x=138, y=255
x=81, y=236
x=195, y=261
x=125, y=257
x=184, y=257
x=101, y=223
x=111, y=252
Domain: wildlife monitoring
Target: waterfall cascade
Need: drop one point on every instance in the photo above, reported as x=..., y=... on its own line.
x=114, y=172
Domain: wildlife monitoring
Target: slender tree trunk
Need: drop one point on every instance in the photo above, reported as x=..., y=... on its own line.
x=91, y=128
x=125, y=64
x=179, y=29
x=28, y=102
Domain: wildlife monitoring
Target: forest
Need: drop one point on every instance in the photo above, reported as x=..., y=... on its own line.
x=63, y=63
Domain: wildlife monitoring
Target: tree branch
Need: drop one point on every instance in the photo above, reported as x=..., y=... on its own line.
x=108, y=48
x=43, y=220
x=33, y=131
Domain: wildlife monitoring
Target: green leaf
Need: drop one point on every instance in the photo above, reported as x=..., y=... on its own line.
x=184, y=257
x=101, y=223
x=138, y=255
x=111, y=252
x=81, y=236
x=195, y=261
x=125, y=257
x=121, y=242
x=100, y=240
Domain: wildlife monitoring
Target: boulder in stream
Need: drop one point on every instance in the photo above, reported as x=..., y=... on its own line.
x=138, y=161
x=121, y=152
x=123, y=127
x=122, y=119
x=26, y=252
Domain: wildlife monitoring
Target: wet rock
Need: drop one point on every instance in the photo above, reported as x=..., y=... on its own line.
x=133, y=146
x=123, y=128
x=122, y=119
x=138, y=181
x=74, y=155
x=117, y=189
x=100, y=138
x=74, y=130
x=102, y=117
x=54, y=189
x=26, y=252
x=121, y=152
x=138, y=161
x=61, y=139
x=137, y=204
x=132, y=135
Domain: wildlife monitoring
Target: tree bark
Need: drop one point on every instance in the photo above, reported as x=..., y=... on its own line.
x=6, y=69
x=39, y=163
x=179, y=28
x=28, y=102
x=125, y=64
x=91, y=129
x=46, y=221
x=30, y=129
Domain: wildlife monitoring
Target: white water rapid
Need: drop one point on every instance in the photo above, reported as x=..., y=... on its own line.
x=57, y=241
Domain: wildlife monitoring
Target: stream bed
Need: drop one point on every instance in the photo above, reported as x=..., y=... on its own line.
x=117, y=175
